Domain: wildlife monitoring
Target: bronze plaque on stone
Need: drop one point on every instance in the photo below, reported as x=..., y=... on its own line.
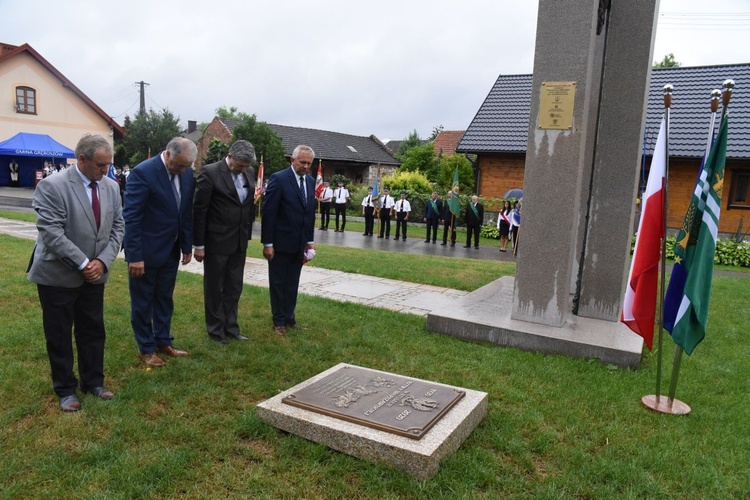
x=556, y=105
x=387, y=402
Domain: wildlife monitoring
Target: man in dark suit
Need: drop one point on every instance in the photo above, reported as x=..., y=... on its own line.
x=449, y=220
x=79, y=219
x=223, y=211
x=474, y=220
x=158, y=217
x=287, y=228
x=431, y=216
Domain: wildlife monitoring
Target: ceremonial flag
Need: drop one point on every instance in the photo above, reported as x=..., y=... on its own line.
x=696, y=246
x=453, y=203
x=112, y=174
x=639, y=307
x=375, y=193
x=319, y=180
x=259, y=182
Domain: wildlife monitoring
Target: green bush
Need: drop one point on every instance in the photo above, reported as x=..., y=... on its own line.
x=490, y=231
x=728, y=252
x=411, y=182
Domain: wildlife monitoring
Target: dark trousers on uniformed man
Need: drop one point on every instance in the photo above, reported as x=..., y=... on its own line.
x=401, y=224
x=432, y=224
x=385, y=223
x=449, y=224
x=369, y=220
x=325, y=214
x=340, y=209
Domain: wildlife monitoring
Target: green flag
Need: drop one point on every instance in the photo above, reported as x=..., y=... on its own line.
x=453, y=203
x=697, y=243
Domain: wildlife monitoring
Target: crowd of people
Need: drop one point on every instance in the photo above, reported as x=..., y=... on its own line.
x=163, y=215
x=385, y=208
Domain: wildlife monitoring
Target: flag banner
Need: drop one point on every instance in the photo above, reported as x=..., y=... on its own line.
x=639, y=306
x=696, y=245
x=375, y=192
x=259, y=183
x=111, y=173
x=319, y=180
x=453, y=203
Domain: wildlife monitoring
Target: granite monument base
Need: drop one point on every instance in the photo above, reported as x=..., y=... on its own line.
x=420, y=458
x=485, y=316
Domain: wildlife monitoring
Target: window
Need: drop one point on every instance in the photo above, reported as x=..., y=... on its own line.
x=739, y=193
x=26, y=100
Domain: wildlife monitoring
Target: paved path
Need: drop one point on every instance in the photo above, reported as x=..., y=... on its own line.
x=385, y=293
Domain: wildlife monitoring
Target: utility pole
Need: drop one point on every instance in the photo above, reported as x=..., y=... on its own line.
x=143, y=96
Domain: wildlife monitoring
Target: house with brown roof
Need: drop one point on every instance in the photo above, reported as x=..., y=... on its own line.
x=446, y=141
x=39, y=99
x=499, y=132
x=355, y=157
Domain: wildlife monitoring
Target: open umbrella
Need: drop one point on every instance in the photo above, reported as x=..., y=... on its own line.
x=514, y=193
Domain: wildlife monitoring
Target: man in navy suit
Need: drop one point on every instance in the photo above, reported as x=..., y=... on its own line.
x=287, y=228
x=158, y=215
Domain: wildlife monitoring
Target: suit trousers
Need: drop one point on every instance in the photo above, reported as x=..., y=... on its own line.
x=432, y=224
x=222, y=287
x=325, y=214
x=151, y=306
x=283, y=279
x=81, y=310
x=449, y=225
x=340, y=210
x=469, y=230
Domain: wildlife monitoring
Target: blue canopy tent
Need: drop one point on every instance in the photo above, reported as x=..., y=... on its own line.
x=30, y=151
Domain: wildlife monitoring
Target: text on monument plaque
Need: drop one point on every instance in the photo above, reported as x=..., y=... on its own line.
x=556, y=104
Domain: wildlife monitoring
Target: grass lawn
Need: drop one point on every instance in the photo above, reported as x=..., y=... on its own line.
x=556, y=427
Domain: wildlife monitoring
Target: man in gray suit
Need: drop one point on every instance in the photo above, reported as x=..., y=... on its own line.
x=223, y=210
x=79, y=219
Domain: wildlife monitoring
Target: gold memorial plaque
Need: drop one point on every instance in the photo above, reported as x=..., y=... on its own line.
x=556, y=105
x=400, y=405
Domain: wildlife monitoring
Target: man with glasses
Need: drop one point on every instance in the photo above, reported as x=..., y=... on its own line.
x=223, y=213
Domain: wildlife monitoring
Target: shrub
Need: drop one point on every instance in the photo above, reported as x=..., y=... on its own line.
x=728, y=252
x=490, y=231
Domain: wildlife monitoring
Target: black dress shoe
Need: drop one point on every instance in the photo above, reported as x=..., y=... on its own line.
x=220, y=341
x=476, y=246
x=100, y=392
x=240, y=337
x=70, y=403
x=442, y=244
x=379, y=236
x=466, y=246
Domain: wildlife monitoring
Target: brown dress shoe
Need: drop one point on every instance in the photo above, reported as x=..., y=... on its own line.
x=152, y=359
x=280, y=330
x=171, y=351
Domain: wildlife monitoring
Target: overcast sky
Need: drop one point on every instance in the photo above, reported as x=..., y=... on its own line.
x=383, y=68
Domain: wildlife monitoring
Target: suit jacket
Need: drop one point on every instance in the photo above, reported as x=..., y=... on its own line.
x=471, y=217
x=430, y=213
x=67, y=229
x=286, y=221
x=153, y=221
x=220, y=222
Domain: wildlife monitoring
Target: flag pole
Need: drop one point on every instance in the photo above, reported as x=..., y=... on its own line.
x=320, y=165
x=653, y=401
x=376, y=210
x=726, y=93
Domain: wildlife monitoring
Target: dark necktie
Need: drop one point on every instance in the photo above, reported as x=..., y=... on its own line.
x=302, y=189
x=95, y=204
x=402, y=207
x=368, y=200
x=174, y=190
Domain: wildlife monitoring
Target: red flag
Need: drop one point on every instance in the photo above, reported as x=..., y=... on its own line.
x=319, y=180
x=259, y=183
x=639, y=308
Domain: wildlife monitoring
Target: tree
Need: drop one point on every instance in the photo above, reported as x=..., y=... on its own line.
x=217, y=150
x=420, y=158
x=148, y=134
x=266, y=142
x=446, y=169
x=412, y=141
x=223, y=112
x=435, y=132
x=667, y=62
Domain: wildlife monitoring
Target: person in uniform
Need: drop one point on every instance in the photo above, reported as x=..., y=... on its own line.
x=402, y=207
x=368, y=211
x=386, y=207
x=325, y=205
x=432, y=215
x=449, y=221
x=340, y=199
